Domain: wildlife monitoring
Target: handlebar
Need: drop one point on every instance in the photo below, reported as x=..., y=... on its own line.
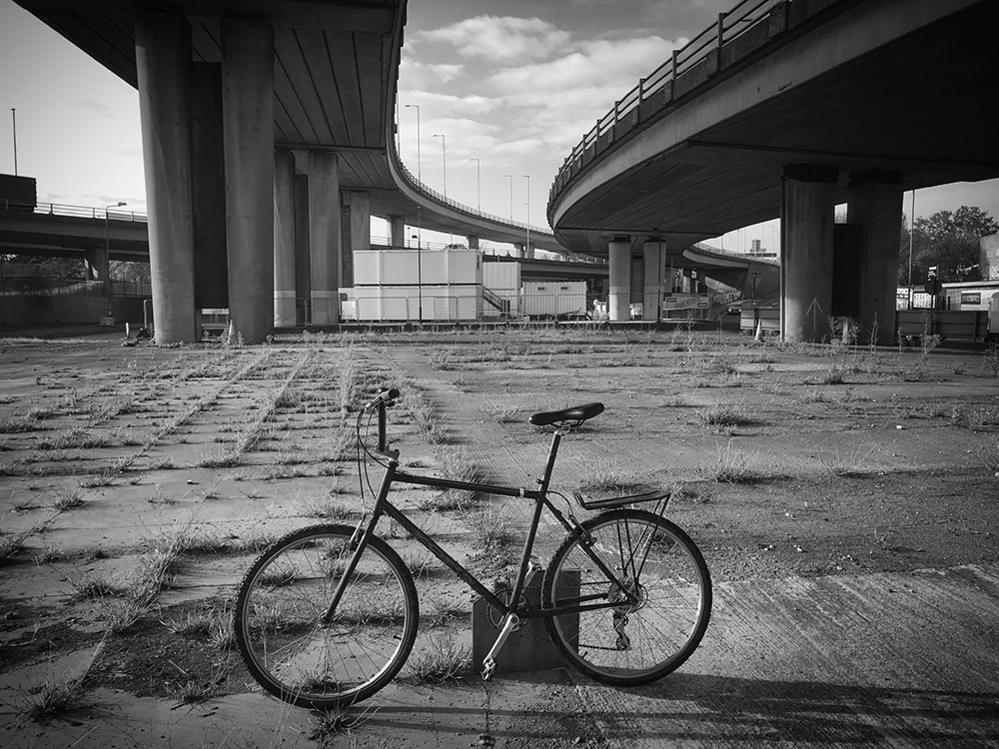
x=386, y=397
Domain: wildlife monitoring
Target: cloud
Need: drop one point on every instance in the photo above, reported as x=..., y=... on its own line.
x=616, y=65
x=501, y=38
x=96, y=107
x=423, y=75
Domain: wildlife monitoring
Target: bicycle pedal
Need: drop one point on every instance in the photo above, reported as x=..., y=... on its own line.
x=488, y=668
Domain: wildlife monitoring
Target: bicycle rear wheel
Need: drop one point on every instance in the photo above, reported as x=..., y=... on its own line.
x=648, y=635
x=286, y=592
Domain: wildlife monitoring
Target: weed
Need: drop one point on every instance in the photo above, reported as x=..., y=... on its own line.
x=19, y=424
x=11, y=544
x=66, y=498
x=607, y=482
x=77, y=437
x=54, y=698
x=326, y=508
x=96, y=587
x=444, y=661
x=455, y=464
x=328, y=724
x=990, y=357
x=725, y=416
x=47, y=555
x=856, y=462
x=733, y=467
x=491, y=530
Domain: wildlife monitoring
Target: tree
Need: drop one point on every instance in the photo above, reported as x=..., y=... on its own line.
x=947, y=240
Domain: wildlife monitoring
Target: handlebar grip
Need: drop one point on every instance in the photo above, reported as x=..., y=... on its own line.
x=385, y=397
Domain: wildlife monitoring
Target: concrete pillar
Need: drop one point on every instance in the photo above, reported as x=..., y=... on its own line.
x=162, y=58
x=211, y=261
x=529, y=252
x=619, y=297
x=473, y=242
x=875, y=206
x=248, y=127
x=518, y=249
x=360, y=232
x=324, y=237
x=807, y=207
x=397, y=231
x=655, y=265
x=284, y=239
x=303, y=261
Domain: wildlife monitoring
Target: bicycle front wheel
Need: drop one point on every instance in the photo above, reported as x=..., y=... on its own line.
x=655, y=610
x=284, y=597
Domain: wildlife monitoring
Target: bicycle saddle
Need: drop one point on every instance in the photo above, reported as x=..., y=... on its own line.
x=579, y=414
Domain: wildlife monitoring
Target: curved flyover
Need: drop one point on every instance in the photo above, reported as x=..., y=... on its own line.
x=784, y=109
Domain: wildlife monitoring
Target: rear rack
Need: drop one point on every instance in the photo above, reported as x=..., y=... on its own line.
x=651, y=495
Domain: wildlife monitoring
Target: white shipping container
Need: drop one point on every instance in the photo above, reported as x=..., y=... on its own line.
x=500, y=276
x=438, y=302
x=396, y=267
x=554, y=298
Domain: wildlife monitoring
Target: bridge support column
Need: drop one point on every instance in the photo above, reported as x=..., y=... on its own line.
x=324, y=237
x=473, y=242
x=619, y=296
x=655, y=268
x=874, y=205
x=519, y=249
x=284, y=239
x=397, y=231
x=360, y=232
x=162, y=60
x=807, y=207
x=248, y=127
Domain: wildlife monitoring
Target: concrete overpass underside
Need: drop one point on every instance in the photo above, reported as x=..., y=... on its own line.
x=268, y=143
x=855, y=102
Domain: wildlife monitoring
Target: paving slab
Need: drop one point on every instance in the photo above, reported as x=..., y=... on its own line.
x=894, y=659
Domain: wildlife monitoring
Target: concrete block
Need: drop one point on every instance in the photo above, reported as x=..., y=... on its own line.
x=529, y=648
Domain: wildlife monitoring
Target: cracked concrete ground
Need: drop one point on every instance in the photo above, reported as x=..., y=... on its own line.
x=853, y=546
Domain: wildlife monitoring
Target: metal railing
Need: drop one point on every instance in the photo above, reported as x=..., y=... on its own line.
x=429, y=192
x=72, y=211
x=756, y=20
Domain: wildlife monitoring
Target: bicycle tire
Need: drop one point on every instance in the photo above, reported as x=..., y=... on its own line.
x=285, y=593
x=659, y=631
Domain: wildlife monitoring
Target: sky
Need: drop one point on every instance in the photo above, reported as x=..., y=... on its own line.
x=511, y=86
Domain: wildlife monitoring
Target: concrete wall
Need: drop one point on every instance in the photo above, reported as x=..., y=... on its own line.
x=39, y=311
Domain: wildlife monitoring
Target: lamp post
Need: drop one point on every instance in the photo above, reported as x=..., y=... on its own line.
x=419, y=173
x=443, y=159
x=527, y=248
x=419, y=278
x=912, y=220
x=478, y=182
x=106, y=264
x=13, y=124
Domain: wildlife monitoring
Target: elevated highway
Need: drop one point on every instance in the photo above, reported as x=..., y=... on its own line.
x=275, y=120
x=784, y=109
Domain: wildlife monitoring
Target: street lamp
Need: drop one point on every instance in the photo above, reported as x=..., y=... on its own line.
x=106, y=263
x=443, y=159
x=419, y=172
x=478, y=182
x=527, y=249
x=419, y=278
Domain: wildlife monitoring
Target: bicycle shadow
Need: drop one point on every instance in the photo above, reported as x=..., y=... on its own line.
x=711, y=708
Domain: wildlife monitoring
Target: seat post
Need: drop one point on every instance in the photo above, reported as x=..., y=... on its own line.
x=552, y=453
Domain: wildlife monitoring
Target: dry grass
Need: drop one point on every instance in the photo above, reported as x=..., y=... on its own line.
x=445, y=661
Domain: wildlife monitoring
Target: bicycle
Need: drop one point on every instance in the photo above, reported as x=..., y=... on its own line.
x=328, y=614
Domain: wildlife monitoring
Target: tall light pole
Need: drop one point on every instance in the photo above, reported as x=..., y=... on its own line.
x=527, y=249
x=419, y=174
x=912, y=220
x=419, y=280
x=13, y=123
x=478, y=182
x=106, y=264
x=443, y=158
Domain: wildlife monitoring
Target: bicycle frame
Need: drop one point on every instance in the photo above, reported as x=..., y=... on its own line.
x=540, y=497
